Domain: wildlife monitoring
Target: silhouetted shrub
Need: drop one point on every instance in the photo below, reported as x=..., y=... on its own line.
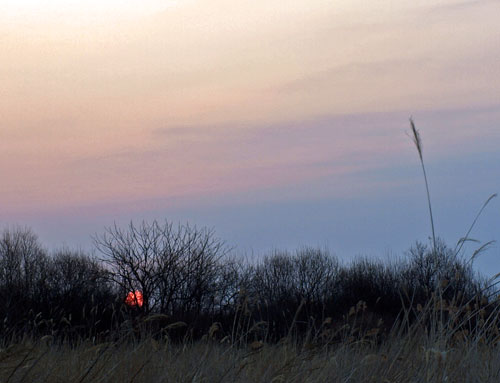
x=188, y=277
x=427, y=270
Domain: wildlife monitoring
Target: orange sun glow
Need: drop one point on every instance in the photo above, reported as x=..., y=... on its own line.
x=134, y=298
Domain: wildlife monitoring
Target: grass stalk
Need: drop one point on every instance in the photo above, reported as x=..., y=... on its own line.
x=418, y=143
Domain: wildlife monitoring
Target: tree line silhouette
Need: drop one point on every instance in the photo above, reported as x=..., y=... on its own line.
x=192, y=284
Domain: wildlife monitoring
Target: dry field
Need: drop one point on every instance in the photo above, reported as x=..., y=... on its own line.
x=406, y=360
x=439, y=346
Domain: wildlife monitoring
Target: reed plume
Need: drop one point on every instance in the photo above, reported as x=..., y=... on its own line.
x=418, y=143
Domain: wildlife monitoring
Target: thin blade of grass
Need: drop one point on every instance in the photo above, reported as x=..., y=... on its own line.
x=460, y=243
x=480, y=250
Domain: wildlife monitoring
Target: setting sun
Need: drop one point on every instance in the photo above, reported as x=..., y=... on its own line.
x=134, y=298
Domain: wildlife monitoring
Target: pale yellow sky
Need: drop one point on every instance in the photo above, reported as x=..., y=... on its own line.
x=111, y=100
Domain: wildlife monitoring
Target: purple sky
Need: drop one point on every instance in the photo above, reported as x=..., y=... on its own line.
x=279, y=125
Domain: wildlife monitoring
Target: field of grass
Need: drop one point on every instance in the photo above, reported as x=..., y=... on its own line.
x=442, y=341
x=441, y=345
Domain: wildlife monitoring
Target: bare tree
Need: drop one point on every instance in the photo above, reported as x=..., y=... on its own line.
x=76, y=277
x=23, y=272
x=173, y=266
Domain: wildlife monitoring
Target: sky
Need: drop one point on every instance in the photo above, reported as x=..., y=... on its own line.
x=278, y=124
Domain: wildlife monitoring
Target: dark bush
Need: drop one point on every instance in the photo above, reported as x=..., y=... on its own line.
x=187, y=274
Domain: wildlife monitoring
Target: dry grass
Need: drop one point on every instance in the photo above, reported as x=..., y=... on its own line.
x=442, y=350
x=404, y=360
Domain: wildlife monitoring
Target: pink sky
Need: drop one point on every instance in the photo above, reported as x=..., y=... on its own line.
x=107, y=103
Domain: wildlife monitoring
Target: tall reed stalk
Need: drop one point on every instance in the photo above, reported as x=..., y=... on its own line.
x=418, y=144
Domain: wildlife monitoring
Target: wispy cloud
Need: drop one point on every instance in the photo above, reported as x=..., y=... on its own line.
x=461, y=5
x=352, y=72
x=229, y=96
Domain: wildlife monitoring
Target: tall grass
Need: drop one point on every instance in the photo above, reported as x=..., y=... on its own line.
x=446, y=343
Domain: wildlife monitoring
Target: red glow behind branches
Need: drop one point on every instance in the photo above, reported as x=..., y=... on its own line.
x=134, y=298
